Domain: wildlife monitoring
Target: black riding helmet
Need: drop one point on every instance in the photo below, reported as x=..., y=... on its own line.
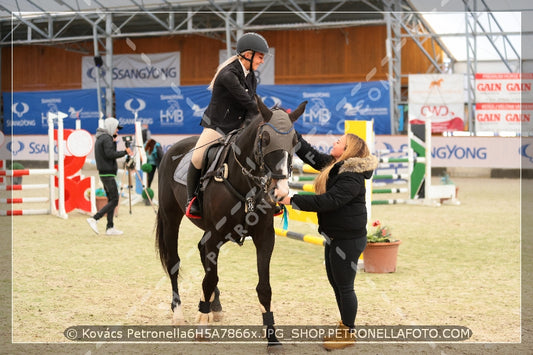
x=254, y=42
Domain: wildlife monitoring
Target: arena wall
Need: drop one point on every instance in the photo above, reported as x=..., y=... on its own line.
x=302, y=57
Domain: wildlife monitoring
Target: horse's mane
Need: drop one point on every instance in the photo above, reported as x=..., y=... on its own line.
x=250, y=126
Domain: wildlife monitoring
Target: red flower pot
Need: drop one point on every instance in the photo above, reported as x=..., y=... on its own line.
x=381, y=257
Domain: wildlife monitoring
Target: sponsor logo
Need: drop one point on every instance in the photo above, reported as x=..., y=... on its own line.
x=40, y=148
x=318, y=113
x=460, y=153
x=21, y=123
x=91, y=75
x=173, y=115
x=15, y=147
x=141, y=105
x=24, y=107
x=527, y=152
x=52, y=108
x=73, y=113
x=145, y=73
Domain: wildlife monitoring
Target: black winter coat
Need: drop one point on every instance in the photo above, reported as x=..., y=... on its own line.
x=232, y=100
x=341, y=210
x=106, y=154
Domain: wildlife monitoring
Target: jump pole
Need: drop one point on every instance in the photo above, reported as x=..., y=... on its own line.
x=308, y=238
x=51, y=171
x=60, y=162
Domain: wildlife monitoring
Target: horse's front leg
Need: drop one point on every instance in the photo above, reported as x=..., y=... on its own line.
x=209, y=252
x=264, y=246
x=215, y=306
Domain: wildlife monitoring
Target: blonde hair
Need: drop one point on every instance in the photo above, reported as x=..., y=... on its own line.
x=355, y=147
x=224, y=64
x=219, y=68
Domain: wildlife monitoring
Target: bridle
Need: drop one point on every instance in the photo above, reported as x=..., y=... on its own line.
x=263, y=179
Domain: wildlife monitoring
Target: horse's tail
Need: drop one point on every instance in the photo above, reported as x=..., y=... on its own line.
x=160, y=244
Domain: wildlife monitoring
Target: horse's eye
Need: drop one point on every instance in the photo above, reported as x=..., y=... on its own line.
x=265, y=139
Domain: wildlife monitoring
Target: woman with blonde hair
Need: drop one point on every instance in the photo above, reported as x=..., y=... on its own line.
x=232, y=102
x=342, y=217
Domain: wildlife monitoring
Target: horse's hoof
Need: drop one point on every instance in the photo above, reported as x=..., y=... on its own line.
x=275, y=348
x=177, y=316
x=204, y=318
x=218, y=316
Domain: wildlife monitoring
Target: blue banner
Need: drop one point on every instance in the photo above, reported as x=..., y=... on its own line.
x=329, y=105
x=179, y=109
x=27, y=112
x=166, y=110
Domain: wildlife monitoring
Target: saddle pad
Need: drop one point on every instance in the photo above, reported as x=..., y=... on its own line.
x=180, y=174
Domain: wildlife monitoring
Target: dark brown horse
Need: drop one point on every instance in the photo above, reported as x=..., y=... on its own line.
x=237, y=204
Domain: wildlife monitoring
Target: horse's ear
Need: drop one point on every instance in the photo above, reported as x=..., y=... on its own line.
x=265, y=111
x=298, y=112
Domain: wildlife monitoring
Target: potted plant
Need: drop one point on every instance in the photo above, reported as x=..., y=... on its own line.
x=100, y=198
x=381, y=252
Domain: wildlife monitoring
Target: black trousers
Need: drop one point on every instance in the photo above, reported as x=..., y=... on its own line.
x=341, y=258
x=111, y=190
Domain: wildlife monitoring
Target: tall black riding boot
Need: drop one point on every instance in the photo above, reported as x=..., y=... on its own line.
x=193, y=206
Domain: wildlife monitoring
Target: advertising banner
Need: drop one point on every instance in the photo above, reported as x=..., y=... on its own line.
x=462, y=152
x=504, y=87
x=444, y=117
x=136, y=70
x=329, y=105
x=27, y=112
x=166, y=110
x=178, y=110
x=504, y=117
x=439, y=97
x=504, y=103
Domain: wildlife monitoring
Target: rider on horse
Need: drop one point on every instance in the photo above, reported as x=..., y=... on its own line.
x=232, y=102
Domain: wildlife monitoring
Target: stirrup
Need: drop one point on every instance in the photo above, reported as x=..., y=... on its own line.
x=188, y=209
x=278, y=210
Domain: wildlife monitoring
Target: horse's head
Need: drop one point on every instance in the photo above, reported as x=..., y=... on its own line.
x=275, y=143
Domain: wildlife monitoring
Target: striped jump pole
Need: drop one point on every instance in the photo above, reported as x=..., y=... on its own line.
x=297, y=178
x=389, y=202
x=23, y=187
x=23, y=199
x=308, y=238
x=22, y=212
x=26, y=172
x=391, y=177
x=51, y=172
x=303, y=187
x=390, y=190
x=306, y=168
x=387, y=180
